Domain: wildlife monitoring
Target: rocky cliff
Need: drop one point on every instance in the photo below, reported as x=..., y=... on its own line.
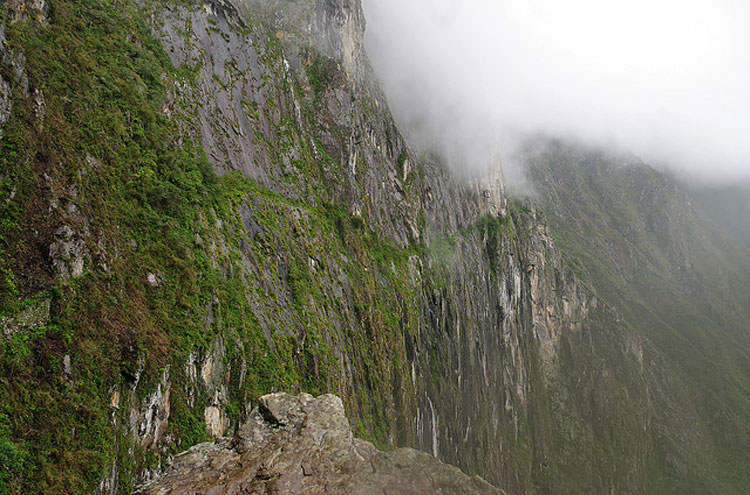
x=304, y=445
x=204, y=202
x=642, y=242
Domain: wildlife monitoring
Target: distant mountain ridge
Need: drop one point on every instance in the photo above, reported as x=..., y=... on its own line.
x=646, y=246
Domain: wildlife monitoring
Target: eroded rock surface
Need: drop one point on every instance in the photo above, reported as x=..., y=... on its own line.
x=303, y=445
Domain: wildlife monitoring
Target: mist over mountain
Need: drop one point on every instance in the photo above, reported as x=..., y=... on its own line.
x=225, y=267
x=666, y=80
x=728, y=206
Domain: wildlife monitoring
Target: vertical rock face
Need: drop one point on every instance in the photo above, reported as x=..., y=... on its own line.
x=491, y=192
x=680, y=282
x=343, y=23
x=323, y=255
x=506, y=360
x=148, y=423
x=501, y=348
x=335, y=27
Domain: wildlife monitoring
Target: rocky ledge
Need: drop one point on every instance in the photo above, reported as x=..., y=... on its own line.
x=303, y=445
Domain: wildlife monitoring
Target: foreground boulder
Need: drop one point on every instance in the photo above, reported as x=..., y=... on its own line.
x=303, y=445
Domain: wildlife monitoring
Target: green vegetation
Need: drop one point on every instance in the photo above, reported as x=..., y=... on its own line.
x=635, y=238
x=492, y=230
x=224, y=288
x=103, y=157
x=322, y=73
x=169, y=265
x=11, y=460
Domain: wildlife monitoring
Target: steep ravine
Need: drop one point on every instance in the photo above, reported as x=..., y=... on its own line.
x=205, y=202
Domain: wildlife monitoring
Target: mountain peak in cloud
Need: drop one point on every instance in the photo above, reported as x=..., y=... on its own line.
x=666, y=79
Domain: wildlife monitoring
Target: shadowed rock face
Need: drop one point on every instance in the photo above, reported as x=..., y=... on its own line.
x=303, y=445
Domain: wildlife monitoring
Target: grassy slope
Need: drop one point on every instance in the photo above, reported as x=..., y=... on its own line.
x=637, y=239
x=148, y=202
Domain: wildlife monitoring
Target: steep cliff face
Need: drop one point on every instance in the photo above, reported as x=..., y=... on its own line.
x=488, y=298
x=204, y=202
x=641, y=241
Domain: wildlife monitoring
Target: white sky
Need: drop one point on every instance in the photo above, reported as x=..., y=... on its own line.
x=667, y=79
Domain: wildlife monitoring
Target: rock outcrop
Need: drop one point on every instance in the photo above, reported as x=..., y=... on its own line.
x=303, y=446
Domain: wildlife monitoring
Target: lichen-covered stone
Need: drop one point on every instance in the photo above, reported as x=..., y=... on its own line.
x=68, y=253
x=300, y=445
x=35, y=10
x=5, y=103
x=34, y=317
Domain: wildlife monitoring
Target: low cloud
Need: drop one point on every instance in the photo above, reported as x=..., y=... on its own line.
x=666, y=79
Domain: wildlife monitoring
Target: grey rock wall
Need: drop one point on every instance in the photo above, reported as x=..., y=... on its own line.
x=498, y=356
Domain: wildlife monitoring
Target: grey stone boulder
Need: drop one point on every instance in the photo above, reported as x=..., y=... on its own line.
x=304, y=445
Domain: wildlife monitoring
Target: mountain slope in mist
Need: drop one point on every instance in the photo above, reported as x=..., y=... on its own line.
x=203, y=202
x=728, y=206
x=645, y=246
x=662, y=79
